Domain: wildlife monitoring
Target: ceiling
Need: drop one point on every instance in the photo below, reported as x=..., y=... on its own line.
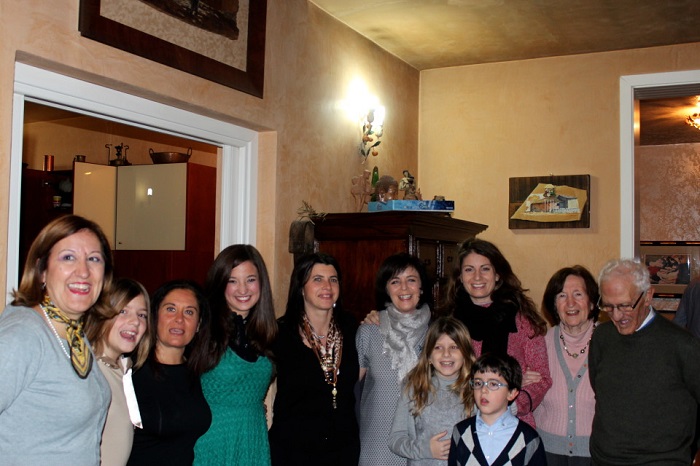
x=430, y=34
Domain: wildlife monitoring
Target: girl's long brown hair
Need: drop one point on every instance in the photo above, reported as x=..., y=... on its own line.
x=419, y=385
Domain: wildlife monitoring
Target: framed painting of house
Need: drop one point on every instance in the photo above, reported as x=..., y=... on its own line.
x=549, y=202
x=219, y=40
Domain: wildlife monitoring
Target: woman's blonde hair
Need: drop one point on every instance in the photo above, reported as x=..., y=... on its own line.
x=97, y=327
x=419, y=385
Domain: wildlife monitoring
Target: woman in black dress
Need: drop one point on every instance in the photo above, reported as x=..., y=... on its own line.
x=173, y=409
x=314, y=410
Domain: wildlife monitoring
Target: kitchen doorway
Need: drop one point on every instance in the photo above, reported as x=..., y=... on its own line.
x=236, y=155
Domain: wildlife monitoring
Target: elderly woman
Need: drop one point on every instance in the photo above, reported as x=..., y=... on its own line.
x=565, y=416
x=53, y=401
x=115, y=341
x=314, y=410
x=485, y=294
x=390, y=350
x=173, y=409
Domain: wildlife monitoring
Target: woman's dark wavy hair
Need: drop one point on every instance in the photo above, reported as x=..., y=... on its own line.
x=508, y=288
x=300, y=275
x=556, y=285
x=31, y=290
x=196, y=350
x=262, y=324
x=393, y=266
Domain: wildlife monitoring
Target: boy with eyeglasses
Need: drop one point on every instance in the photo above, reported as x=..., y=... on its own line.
x=495, y=437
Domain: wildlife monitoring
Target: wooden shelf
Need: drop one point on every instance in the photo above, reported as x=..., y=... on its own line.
x=361, y=241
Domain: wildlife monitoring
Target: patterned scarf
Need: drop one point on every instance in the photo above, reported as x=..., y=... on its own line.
x=402, y=334
x=329, y=352
x=80, y=355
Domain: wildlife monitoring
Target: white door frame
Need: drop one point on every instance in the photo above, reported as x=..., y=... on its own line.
x=629, y=224
x=237, y=159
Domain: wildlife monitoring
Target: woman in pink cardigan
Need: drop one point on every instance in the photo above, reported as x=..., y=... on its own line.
x=484, y=293
x=565, y=416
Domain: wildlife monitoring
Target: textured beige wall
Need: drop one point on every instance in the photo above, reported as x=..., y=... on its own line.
x=308, y=145
x=669, y=192
x=480, y=125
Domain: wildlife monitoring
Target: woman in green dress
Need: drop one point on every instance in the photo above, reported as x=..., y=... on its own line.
x=239, y=371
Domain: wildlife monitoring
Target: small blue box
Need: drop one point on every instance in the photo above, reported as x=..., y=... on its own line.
x=433, y=206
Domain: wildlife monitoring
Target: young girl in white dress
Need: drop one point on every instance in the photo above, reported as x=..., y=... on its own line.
x=435, y=396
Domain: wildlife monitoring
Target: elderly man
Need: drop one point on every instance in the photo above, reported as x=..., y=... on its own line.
x=645, y=372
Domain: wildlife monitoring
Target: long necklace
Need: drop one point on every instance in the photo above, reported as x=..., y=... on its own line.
x=583, y=350
x=329, y=354
x=55, y=332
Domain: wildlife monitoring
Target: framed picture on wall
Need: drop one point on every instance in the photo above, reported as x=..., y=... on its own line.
x=224, y=43
x=671, y=266
x=549, y=202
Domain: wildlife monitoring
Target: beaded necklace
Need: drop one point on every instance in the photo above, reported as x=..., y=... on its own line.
x=583, y=350
x=329, y=354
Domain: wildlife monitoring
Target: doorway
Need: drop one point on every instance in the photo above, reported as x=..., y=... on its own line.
x=236, y=158
x=632, y=88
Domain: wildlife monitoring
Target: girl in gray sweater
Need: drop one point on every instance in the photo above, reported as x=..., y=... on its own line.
x=435, y=396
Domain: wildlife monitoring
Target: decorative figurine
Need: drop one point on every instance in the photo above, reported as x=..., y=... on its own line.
x=408, y=186
x=121, y=159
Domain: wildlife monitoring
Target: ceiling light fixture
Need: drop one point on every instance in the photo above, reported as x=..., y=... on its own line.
x=694, y=119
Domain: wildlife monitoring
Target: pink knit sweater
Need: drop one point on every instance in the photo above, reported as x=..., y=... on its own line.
x=555, y=413
x=531, y=353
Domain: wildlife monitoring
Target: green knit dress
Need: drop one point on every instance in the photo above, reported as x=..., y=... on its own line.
x=235, y=390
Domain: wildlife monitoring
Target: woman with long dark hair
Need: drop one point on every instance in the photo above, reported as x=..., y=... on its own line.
x=485, y=294
x=238, y=368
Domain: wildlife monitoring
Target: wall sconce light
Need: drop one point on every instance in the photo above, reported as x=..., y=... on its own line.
x=372, y=131
x=694, y=119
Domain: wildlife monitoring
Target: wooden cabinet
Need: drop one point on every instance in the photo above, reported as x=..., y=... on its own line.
x=38, y=207
x=151, y=207
x=140, y=231
x=154, y=267
x=361, y=241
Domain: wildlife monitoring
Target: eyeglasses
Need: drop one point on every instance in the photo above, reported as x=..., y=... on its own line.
x=620, y=307
x=492, y=385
